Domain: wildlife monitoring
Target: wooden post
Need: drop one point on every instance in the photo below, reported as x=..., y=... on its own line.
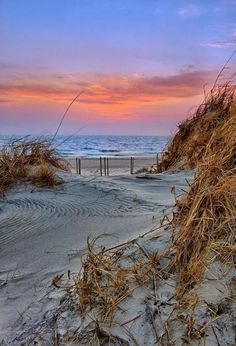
x=157, y=160
x=76, y=165
x=79, y=166
x=107, y=166
x=131, y=165
x=100, y=166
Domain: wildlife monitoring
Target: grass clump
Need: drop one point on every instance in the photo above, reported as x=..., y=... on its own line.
x=187, y=148
x=205, y=222
x=105, y=281
x=29, y=161
x=44, y=175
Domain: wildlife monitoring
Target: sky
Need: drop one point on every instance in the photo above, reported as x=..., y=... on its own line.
x=141, y=65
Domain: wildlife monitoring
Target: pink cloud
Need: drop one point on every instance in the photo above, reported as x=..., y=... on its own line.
x=220, y=44
x=234, y=32
x=106, y=90
x=131, y=103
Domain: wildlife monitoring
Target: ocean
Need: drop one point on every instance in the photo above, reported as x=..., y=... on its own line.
x=95, y=146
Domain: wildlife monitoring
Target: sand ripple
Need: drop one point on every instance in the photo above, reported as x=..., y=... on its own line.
x=39, y=211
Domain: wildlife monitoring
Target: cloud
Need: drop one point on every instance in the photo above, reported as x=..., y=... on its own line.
x=5, y=101
x=187, y=68
x=220, y=44
x=107, y=92
x=190, y=11
x=230, y=43
x=32, y=103
x=7, y=66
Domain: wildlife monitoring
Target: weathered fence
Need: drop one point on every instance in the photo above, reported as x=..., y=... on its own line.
x=105, y=166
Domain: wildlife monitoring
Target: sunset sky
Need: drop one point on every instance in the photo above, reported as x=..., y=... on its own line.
x=141, y=64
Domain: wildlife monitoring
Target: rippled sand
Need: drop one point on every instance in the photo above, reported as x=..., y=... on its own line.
x=43, y=232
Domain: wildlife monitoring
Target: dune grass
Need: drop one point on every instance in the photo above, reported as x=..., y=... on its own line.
x=29, y=161
x=188, y=146
x=105, y=282
x=205, y=222
x=106, y=279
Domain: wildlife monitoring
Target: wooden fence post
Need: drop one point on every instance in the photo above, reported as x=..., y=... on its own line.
x=100, y=166
x=79, y=166
x=107, y=166
x=76, y=165
x=131, y=165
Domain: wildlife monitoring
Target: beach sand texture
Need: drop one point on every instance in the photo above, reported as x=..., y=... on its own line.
x=43, y=232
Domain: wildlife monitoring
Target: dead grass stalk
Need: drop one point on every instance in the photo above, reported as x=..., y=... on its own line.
x=105, y=280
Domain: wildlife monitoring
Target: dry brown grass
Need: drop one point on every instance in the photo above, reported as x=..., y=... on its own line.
x=106, y=280
x=33, y=161
x=187, y=148
x=44, y=175
x=205, y=222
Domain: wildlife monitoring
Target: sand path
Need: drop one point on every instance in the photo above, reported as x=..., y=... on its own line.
x=43, y=232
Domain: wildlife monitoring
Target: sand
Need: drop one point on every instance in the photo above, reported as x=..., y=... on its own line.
x=43, y=232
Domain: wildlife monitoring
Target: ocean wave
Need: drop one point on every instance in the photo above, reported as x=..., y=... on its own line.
x=95, y=146
x=110, y=151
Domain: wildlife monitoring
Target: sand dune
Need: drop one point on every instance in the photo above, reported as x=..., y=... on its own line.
x=43, y=232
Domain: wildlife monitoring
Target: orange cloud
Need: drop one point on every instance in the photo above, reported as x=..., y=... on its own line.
x=102, y=93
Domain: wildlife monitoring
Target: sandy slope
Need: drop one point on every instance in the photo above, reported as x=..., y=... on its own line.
x=43, y=232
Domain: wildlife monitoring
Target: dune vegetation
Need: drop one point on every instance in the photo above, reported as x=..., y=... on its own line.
x=205, y=221
x=194, y=137
x=32, y=161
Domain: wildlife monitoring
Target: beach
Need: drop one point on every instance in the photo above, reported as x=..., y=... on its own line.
x=111, y=165
x=118, y=173
x=89, y=258
x=44, y=232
